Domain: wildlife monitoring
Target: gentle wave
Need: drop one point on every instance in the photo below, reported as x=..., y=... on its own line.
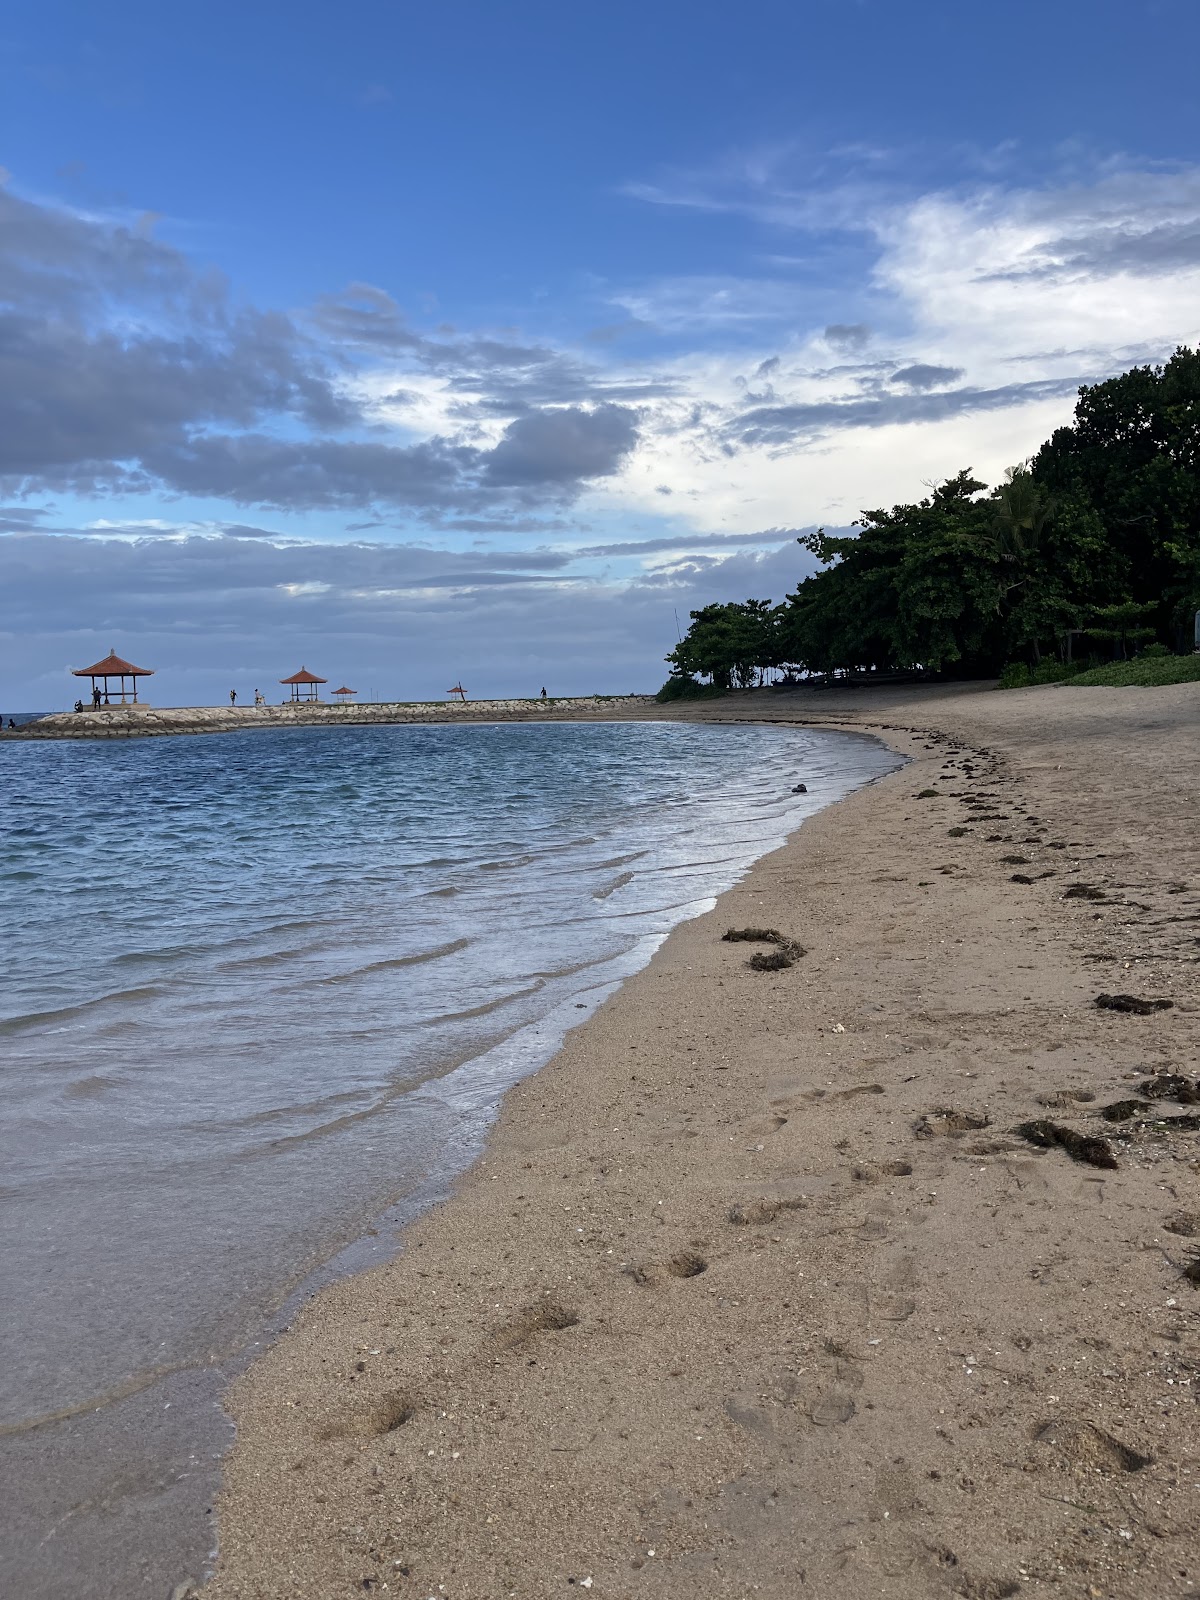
x=33, y=1020
x=394, y=963
x=611, y=888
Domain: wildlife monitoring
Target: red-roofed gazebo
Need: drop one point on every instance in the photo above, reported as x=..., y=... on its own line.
x=345, y=693
x=304, y=684
x=113, y=666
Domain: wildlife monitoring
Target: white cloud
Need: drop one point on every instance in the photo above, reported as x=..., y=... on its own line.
x=1026, y=291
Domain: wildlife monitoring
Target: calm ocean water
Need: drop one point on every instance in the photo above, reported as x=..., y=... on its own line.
x=262, y=987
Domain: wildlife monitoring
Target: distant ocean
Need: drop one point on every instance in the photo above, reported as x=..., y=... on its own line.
x=262, y=987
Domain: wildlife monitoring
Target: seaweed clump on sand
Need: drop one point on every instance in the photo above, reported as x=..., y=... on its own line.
x=1092, y=1151
x=1123, y=1110
x=1132, y=1003
x=785, y=954
x=1171, y=1086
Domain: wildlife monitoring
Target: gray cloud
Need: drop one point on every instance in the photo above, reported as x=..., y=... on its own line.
x=699, y=541
x=20, y=519
x=496, y=377
x=921, y=376
x=366, y=317
x=1142, y=251
x=123, y=369
x=563, y=446
x=793, y=424
x=113, y=348
x=848, y=337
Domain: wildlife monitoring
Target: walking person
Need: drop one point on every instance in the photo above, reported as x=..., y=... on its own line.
x=233, y=697
x=543, y=691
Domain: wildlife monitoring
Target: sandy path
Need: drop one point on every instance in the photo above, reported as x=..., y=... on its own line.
x=695, y=1328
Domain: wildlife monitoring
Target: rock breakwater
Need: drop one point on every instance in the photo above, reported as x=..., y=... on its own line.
x=139, y=722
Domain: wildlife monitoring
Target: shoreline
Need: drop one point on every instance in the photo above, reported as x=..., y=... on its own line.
x=737, y=1300
x=546, y=1383
x=110, y=1532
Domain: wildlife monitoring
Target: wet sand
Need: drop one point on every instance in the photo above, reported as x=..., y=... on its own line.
x=757, y=1291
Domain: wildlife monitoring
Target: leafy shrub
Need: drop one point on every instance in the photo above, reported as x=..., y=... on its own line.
x=1155, y=651
x=1153, y=673
x=1015, y=676
x=682, y=686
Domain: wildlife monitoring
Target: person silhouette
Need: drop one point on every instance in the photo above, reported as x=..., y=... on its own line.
x=543, y=692
x=233, y=697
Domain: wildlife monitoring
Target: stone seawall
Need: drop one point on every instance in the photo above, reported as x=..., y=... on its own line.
x=140, y=722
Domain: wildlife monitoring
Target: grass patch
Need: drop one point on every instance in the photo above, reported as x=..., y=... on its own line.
x=1149, y=672
x=1017, y=675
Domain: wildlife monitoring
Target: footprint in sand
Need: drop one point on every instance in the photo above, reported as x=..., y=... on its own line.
x=686, y=1264
x=889, y=1298
x=945, y=1122
x=1085, y=1446
x=1060, y=1099
x=872, y=1229
x=890, y=1306
x=385, y=1415
x=544, y=1316
x=834, y=1406
x=835, y=1402
x=880, y=1170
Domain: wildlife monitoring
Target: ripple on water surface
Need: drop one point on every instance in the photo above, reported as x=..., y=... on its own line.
x=285, y=984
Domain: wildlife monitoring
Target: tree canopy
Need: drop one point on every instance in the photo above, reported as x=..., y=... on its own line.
x=1096, y=539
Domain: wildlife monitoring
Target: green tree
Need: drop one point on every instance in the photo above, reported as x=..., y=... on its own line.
x=1124, y=626
x=731, y=644
x=916, y=587
x=1132, y=455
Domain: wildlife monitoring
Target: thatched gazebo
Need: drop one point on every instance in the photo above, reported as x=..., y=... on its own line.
x=304, y=685
x=113, y=666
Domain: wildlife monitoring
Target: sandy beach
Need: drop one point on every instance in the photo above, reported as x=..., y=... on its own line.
x=757, y=1290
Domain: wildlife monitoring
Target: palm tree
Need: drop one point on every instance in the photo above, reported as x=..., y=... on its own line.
x=1022, y=513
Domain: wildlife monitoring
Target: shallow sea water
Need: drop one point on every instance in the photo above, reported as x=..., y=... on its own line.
x=265, y=989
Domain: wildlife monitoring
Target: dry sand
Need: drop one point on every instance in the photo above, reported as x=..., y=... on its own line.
x=757, y=1292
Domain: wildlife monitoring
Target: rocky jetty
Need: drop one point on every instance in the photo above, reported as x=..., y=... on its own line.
x=139, y=722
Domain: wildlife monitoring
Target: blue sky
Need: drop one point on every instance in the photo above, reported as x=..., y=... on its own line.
x=478, y=340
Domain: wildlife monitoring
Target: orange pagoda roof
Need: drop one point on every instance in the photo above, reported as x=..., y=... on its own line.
x=344, y=690
x=304, y=676
x=114, y=667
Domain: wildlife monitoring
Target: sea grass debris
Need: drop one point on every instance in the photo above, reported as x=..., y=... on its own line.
x=1171, y=1086
x=1092, y=1151
x=786, y=953
x=1132, y=1003
x=1123, y=1110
